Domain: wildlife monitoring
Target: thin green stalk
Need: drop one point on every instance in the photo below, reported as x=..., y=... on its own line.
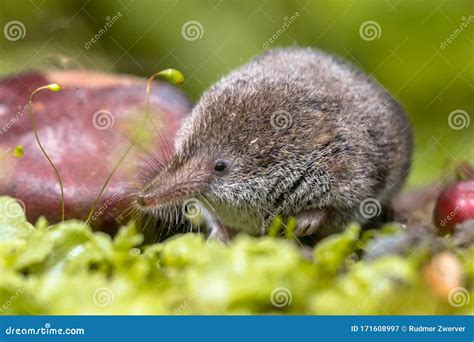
x=52, y=87
x=173, y=76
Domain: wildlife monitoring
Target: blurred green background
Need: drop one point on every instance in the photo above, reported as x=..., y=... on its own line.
x=404, y=46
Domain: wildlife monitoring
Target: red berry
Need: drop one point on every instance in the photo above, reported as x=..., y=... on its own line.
x=455, y=204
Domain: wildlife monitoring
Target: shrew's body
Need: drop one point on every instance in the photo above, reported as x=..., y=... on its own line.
x=295, y=132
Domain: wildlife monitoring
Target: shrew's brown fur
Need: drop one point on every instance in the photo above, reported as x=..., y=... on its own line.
x=302, y=134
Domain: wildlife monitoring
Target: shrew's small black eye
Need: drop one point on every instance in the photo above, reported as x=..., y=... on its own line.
x=220, y=165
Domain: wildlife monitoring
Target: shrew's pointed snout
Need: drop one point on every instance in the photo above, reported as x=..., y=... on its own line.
x=158, y=196
x=175, y=184
x=165, y=195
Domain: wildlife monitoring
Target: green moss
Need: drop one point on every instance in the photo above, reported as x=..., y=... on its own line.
x=68, y=269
